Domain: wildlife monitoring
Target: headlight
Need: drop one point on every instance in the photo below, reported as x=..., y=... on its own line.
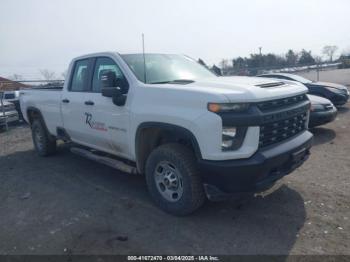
x=316, y=107
x=228, y=107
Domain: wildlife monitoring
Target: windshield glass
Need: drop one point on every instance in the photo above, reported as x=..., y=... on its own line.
x=163, y=68
x=300, y=79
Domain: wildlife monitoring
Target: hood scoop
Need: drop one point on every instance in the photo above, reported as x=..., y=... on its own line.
x=270, y=85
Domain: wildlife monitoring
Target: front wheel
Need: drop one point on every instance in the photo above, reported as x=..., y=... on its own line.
x=173, y=180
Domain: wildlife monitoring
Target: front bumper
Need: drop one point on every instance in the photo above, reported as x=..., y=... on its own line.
x=323, y=117
x=222, y=179
x=339, y=99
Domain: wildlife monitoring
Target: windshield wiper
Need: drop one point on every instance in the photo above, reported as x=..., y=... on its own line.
x=176, y=81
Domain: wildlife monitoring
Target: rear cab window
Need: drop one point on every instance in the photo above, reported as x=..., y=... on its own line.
x=80, y=78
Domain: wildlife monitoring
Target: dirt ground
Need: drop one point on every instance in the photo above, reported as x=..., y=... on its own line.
x=67, y=204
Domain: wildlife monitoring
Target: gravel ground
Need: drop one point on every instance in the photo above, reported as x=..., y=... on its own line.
x=67, y=204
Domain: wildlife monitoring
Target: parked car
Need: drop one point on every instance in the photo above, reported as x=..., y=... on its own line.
x=337, y=94
x=13, y=97
x=7, y=111
x=322, y=111
x=193, y=134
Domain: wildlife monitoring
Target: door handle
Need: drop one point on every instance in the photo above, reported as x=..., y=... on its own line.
x=65, y=100
x=89, y=103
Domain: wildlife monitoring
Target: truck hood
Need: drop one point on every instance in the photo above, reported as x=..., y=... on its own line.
x=244, y=89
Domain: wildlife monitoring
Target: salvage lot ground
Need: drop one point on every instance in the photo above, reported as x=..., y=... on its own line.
x=67, y=204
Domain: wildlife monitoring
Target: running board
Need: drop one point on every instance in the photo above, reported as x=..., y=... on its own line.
x=105, y=160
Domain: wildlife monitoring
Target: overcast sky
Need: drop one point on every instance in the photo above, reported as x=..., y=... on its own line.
x=38, y=34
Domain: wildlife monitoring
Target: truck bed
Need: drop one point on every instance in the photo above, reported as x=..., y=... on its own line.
x=47, y=100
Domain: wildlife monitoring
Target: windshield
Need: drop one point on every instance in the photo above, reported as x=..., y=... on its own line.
x=164, y=68
x=300, y=79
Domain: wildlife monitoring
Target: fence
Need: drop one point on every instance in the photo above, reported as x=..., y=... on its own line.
x=9, y=85
x=252, y=71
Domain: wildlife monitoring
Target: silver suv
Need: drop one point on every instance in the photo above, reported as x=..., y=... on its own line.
x=8, y=113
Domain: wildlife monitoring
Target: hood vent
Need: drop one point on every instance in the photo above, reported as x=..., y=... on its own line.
x=268, y=85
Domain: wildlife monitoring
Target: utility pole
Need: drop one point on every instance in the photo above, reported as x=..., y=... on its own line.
x=144, y=59
x=260, y=59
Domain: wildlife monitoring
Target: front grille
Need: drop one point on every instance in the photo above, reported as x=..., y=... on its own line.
x=280, y=103
x=278, y=131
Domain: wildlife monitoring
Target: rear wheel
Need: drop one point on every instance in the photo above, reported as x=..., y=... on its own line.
x=173, y=180
x=44, y=143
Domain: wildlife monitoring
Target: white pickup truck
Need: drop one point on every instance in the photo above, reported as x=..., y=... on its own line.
x=191, y=133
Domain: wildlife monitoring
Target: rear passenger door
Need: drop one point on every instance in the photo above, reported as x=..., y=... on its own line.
x=73, y=104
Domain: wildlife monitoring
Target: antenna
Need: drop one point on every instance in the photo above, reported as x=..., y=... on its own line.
x=144, y=59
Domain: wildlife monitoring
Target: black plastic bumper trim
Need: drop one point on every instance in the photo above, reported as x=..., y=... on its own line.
x=260, y=170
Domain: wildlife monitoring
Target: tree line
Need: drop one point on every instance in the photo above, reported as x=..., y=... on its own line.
x=270, y=61
x=243, y=65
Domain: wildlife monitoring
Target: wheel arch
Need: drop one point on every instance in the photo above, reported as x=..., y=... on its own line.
x=150, y=135
x=35, y=113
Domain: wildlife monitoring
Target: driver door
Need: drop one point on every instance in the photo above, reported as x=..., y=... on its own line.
x=107, y=123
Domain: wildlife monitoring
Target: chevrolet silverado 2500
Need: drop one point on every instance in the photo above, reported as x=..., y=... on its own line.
x=191, y=133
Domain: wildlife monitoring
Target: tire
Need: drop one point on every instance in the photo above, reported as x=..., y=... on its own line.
x=44, y=143
x=178, y=198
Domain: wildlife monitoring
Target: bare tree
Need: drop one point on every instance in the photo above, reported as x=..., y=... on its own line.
x=47, y=74
x=329, y=51
x=318, y=59
x=64, y=74
x=15, y=77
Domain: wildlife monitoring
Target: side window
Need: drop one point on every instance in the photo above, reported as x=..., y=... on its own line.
x=103, y=65
x=80, y=81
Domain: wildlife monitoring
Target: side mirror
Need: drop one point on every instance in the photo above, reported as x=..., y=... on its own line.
x=111, y=91
x=111, y=87
x=118, y=98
